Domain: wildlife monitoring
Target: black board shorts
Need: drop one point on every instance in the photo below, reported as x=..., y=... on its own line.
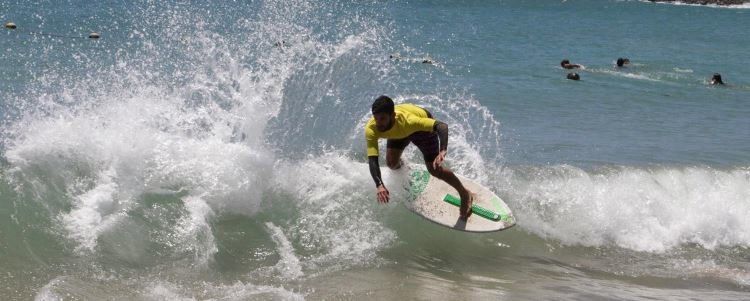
x=427, y=142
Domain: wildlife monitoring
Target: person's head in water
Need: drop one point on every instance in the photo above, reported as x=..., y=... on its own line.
x=384, y=113
x=621, y=62
x=573, y=76
x=564, y=63
x=716, y=79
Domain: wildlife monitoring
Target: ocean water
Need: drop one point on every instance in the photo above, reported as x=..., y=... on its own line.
x=214, y=151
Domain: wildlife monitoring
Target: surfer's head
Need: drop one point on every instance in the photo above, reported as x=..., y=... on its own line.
x=573, y=76
x=564, y=63
x=383, y=112
x=716, y=79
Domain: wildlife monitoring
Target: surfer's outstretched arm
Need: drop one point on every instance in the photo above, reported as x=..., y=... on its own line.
x=383, y=194
x=375, y=170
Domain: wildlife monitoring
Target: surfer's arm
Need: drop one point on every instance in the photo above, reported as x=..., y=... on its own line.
x=375, y=170
x=442, y=130
x=372, y=156
x=383, y=194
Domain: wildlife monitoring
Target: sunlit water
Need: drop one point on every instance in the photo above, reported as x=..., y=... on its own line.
x=215, y=150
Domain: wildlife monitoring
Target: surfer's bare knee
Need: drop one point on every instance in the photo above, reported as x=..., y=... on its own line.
x=449, y=177
x=393, y=158
x=394, y=164
x=439, y=172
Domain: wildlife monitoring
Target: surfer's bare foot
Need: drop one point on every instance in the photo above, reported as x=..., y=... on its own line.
x=467, y=199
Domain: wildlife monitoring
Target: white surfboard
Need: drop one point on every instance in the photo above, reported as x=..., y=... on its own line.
x=438, y=202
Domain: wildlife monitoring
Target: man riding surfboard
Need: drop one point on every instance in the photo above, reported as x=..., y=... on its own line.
x=403, y=124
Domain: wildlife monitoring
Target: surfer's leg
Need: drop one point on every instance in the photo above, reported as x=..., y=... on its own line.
x=393, y=151
x=445, y=174
x=429, y=145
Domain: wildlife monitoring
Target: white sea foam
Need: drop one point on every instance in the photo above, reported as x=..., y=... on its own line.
x=115, y=153
x=47, y=293
x=105, y=148
x=640, y=76
x=288, y=264
x=194, y=234
x=337, y=218
x=651, y=210
x=94, y=211
x=682, y=70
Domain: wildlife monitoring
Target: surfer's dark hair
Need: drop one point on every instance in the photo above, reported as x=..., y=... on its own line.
x=382, y=104
x=564, y=62
x=620, y=62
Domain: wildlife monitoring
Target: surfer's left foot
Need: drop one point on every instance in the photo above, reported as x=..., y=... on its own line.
x=467, y=200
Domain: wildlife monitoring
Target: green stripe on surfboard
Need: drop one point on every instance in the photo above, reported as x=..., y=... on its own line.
x=479, y=210
x=418, y=182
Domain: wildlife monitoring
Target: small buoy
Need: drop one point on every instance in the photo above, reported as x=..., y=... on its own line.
x=10, y=25
x=94, y=35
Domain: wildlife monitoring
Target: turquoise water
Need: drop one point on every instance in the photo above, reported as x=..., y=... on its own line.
x=184, y=155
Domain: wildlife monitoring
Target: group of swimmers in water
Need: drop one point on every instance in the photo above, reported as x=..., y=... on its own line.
x=621, y=62
x=566, y=64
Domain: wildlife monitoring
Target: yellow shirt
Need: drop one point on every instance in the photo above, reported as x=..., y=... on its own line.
x=409, y=119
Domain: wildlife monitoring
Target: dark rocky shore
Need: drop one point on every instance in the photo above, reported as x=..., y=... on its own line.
x=705, y=2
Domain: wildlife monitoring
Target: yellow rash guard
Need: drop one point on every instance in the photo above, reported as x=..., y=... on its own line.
x=409, y=119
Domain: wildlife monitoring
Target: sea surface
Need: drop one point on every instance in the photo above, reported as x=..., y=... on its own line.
x=213, y=150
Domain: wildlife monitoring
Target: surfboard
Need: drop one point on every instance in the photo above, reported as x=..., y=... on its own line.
x=439, y=202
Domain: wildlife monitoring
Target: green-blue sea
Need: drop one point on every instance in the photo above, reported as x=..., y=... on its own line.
x=214, y=150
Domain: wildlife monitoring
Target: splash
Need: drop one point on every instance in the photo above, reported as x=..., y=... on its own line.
x=651, y=210
x=289, y=264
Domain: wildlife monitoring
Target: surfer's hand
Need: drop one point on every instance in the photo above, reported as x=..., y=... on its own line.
x=383, y=194
x=439, y=159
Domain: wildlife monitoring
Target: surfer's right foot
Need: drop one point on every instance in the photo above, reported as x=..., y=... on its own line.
x=466, y=201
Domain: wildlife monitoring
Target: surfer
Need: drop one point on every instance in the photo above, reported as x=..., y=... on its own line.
x=567, y=65
x=403, y=124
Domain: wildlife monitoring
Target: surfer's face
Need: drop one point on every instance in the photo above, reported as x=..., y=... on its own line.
x=384, y=121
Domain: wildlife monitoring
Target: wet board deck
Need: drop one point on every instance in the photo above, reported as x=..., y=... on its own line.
x=438, y=202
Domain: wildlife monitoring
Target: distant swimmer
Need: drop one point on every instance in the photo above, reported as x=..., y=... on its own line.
x=573, y=76
x=621, y=62
x=404, y=124
x=397, y=57
x=567, y=65
x=716, y=79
